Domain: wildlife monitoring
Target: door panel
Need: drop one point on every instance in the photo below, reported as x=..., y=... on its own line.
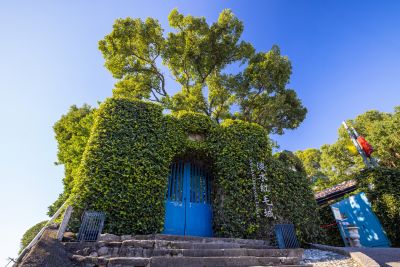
x=198, y=209
x=188, y=201
x=175, y=207
x=356, y=210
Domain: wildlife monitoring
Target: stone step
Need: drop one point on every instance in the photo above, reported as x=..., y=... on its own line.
x=188, y=244
x=127, y=245
x=112, y=251
x=210, y=252
x=197, y=239
x=185, y=261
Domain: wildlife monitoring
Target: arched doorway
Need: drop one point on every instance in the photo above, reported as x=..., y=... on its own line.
x=188, y=208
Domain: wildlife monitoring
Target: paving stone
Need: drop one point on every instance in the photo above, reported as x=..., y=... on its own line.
x=321, y=258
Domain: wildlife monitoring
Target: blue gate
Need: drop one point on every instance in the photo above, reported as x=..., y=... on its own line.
x=188, y=201
x=356, y=210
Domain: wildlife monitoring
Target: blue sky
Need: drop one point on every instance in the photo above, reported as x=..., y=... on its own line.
x=345, y=57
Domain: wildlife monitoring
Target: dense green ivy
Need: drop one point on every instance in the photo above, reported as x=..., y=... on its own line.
x=125, y=166
x=382, y=187
x=72, y=131
x=234, y=144
x=331, y=234
x=293, y=198
x=193, y=122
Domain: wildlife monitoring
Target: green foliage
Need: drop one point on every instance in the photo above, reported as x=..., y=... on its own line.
x=340, y=161
x=193, y=122
x=331, y=235
x=382, y=130
x=291, y=161
x=311, y=159
x=262, y=94
x=292, y=196
x=234, y=145
x=197, y=55
x=124, y=171
x=125, y=165
x=30, y=234
x=72, y=133
x=382, y=187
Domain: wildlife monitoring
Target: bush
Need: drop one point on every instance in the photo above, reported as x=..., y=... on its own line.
x=125, y=166
x=382, y=187
x=293, y=199
x=331, y=235
x=30, y=234
x=192, y=122
x=234, y=145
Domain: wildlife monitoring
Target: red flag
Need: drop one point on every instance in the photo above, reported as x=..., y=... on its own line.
x=368, y=149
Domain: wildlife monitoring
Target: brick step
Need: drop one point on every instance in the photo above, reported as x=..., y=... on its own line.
x=88, y=261
x=197, y=239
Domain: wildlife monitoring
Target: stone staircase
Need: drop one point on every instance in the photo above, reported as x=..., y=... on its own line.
x=179, y=251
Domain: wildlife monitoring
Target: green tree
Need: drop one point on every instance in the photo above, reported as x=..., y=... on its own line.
x=382, y=130
x=290, y=160
x=340, y=161
x=198, y=56
x=30, y=234
x=72, y=133
x=311, y=159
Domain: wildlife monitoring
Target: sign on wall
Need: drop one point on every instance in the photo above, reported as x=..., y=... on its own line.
x=260, y=181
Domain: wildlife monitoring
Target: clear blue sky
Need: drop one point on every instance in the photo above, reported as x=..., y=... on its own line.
x=345, y=56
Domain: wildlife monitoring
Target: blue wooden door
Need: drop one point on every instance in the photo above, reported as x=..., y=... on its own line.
x=356, y=210
x=188, y=202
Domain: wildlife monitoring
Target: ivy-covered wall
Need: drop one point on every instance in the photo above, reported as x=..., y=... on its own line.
x=294, y=200
x=125, y=166
x=331, y=234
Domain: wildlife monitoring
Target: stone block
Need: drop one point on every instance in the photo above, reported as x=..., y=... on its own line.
x=109, y=237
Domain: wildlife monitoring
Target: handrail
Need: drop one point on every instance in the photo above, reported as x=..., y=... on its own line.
x=38, y=235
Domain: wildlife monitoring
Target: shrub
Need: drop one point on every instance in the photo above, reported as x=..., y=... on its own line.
x=293, y=199
x=30, y=234
x=331, y=235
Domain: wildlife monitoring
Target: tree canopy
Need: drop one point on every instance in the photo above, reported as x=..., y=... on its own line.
x=311, y=158
x=198, y=56
x=339, y=161
x=72, y=133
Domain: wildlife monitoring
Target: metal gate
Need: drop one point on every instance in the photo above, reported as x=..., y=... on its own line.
x=188, y=202
x=286, y=236
x=91, y=227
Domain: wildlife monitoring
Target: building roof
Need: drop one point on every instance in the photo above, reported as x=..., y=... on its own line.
x=335, y=191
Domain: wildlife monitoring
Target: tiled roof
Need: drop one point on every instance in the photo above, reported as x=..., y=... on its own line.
x=344, y=186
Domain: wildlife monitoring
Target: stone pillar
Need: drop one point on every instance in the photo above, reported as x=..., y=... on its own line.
x=354, y=236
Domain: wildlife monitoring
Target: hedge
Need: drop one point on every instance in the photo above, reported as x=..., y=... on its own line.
x=294, y=200
x=382, y=187
x=125, y=166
